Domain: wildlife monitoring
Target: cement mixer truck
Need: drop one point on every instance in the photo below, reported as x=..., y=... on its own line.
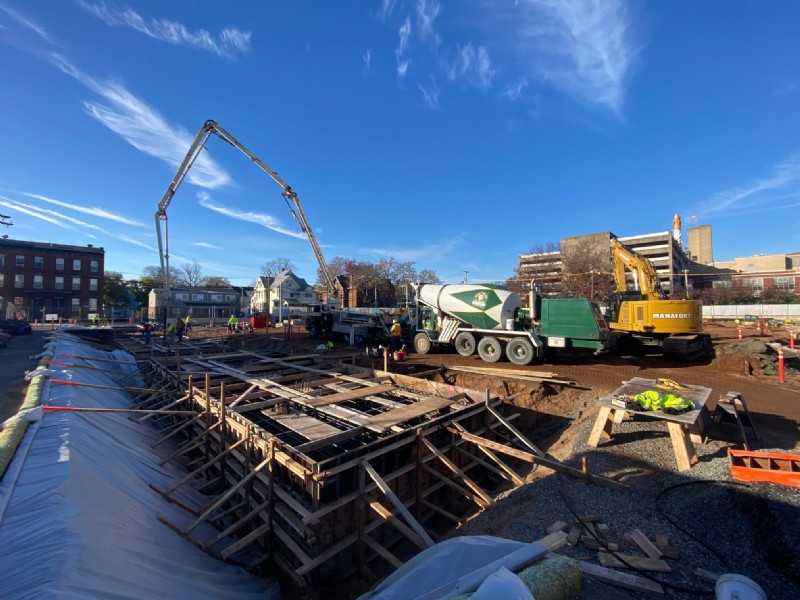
x=491, y=320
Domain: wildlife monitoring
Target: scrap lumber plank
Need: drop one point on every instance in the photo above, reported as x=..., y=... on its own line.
x=516, y=432
x=645, y=564
x=669, y=551
x=557, y=526
x=382, y=422
x=623, y=580
x=590, y=543
x=645, y=544
x=349, y=395
x=662, y=540
x=390, y=495
x=487, y=499
x=550, y=463
x=389, y=516
x=574, y=535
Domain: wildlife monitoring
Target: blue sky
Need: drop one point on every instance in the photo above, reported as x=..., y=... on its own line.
x=453, y=134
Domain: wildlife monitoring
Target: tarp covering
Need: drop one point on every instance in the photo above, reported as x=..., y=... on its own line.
x=77, y=516
x=457, y=566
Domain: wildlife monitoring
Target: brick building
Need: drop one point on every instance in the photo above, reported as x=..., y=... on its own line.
x=40, y=280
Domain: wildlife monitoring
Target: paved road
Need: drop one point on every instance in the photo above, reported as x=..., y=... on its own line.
x=14, y=361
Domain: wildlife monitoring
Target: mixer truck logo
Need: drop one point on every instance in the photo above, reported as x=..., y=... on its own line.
x=480, y=300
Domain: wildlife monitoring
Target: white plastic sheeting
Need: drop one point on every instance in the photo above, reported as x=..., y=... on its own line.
x=460, y=565
x=77, y=516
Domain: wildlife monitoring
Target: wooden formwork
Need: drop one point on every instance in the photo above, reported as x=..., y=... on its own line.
x=323, y=467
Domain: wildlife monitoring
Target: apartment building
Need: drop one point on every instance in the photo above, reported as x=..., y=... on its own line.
x=41, y=281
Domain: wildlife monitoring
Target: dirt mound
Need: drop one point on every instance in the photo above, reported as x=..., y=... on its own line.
x=749, y=356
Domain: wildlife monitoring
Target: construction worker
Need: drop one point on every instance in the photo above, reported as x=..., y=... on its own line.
x=180, y=326
x=396, y=331
x=188, y=322
x=232, y=323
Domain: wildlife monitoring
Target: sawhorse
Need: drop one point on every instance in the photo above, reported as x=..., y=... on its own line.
x=732, y=406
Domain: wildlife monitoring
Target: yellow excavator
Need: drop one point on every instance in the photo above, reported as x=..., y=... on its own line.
x=644, y=317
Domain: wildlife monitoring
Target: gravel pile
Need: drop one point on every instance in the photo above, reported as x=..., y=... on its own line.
x=754, y=529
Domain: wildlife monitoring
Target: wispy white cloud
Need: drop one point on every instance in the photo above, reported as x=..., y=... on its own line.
x=141, y=244
x=404, y=33
x=386, y=8
x=89, y=210
x=427, y=11
x=513, y=91
x=262, y=219
x=418, y=252
x=228, y=44
x=783, y=183
x=37, y=214
x=206, y=245
x=430, y=93
x=367, y=58
x=583, y=47
x=40, y=31
x=474, y=64
x=143, y=127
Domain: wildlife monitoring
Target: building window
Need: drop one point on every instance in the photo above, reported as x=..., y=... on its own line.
x=784, y=283
x=59, y=264
x=38, y=262
x=230, y=298
x=2, y=260
x=754, y=284
x=93, y=284
x=182, y=296
x=20, y=260
x=216, y=297
x=93, y=305
x=19, y=300
x=94, y=266
x=2, y=280
x=19, y=281
x=76, y=264
x=197, y=297
x=76, y=284
x=38, y=282
x=59, y=283
x=76, y=305
x=721, y=283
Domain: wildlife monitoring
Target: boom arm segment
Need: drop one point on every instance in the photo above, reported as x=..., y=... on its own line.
x=292, y=201
x=644, y=274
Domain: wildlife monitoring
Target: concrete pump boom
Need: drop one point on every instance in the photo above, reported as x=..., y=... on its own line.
x=292, y=201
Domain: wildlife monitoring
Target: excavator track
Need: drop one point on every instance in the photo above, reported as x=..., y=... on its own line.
x=687, y=347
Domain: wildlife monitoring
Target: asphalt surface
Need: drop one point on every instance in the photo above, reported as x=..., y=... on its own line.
x=16, y=359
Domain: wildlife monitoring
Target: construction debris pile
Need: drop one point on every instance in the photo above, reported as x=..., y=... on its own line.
x=764, y=357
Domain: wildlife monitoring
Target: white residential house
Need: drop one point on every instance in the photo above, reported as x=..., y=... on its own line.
x=285, y=289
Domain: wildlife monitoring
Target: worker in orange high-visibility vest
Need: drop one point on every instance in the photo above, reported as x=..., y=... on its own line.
x=396, y=332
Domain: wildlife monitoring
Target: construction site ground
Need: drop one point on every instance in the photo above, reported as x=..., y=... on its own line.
x=753, y=531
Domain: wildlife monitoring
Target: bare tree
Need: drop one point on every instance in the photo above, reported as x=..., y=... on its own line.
x=191, y=275
x=428, y=276
x=272, y=267
x=152, y=275
x=586, y=267
x=217, y=281
x=542, y=263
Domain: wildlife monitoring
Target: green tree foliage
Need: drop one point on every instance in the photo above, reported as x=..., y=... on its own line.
x=115, y=290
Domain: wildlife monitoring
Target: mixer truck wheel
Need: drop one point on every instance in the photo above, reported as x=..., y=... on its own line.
x=465, y=344
x=490, y=349
x=422, y=343
x=520, y=351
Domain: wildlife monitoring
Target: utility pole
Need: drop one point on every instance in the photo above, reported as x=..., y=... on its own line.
x=465, y=276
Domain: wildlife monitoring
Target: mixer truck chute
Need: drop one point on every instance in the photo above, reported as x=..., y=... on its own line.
x=491, y=321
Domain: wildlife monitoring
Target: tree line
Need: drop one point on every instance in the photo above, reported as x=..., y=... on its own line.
x=367, y=276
